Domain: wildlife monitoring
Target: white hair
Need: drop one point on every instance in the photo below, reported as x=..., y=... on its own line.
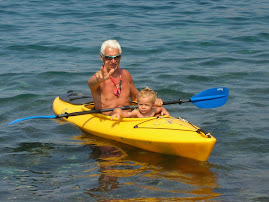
x=112, y=44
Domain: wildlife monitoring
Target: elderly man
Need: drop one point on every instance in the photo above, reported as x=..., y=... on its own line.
x=112, y=86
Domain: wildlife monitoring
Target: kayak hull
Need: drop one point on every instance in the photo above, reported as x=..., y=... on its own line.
x=165, y=135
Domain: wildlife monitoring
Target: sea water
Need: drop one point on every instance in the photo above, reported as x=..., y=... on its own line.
x=177, y=48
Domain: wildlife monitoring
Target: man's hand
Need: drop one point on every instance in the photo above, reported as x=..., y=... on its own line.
x=99, y=77
x=103, y=74
x=158, y=102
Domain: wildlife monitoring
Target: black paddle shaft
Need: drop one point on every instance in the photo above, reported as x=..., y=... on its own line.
x=66, y=115
x=179, y=101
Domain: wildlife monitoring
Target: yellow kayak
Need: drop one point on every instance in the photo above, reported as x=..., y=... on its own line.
x=164, y=134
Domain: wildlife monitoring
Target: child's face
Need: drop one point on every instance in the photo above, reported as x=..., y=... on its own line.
x=145, y=104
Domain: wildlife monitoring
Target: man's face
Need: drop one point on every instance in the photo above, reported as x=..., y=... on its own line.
x=111, y=58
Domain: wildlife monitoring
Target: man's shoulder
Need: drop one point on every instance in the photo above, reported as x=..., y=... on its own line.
x=125, y=72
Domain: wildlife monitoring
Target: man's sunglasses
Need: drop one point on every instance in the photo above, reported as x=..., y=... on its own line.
x=108, y=57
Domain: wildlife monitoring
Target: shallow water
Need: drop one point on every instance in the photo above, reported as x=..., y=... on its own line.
x=176, y=48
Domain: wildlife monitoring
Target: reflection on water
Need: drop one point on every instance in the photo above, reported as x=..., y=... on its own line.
x=148, y=174
x=106, y=155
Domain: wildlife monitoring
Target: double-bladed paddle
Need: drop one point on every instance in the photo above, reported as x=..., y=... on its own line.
x=210, y=98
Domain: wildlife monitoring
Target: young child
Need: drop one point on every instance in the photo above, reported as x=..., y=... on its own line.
x=145, y=99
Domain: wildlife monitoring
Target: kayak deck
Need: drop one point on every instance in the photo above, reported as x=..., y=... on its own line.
x=165, y=134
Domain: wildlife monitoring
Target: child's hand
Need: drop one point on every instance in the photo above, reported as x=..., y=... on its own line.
x=164, y=112
x=115, y=115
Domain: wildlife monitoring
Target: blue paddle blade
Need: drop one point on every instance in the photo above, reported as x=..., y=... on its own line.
x=211, y=98
x=34, y=117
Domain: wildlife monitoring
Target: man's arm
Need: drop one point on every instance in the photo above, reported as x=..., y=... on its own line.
x=93, y=83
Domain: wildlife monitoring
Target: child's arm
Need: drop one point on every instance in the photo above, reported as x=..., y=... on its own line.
x=162, y=111
x=118, y=113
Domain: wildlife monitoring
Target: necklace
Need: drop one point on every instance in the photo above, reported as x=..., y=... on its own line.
x=116, y=91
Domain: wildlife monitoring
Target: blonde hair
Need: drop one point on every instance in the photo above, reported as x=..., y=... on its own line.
x=147, y=92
